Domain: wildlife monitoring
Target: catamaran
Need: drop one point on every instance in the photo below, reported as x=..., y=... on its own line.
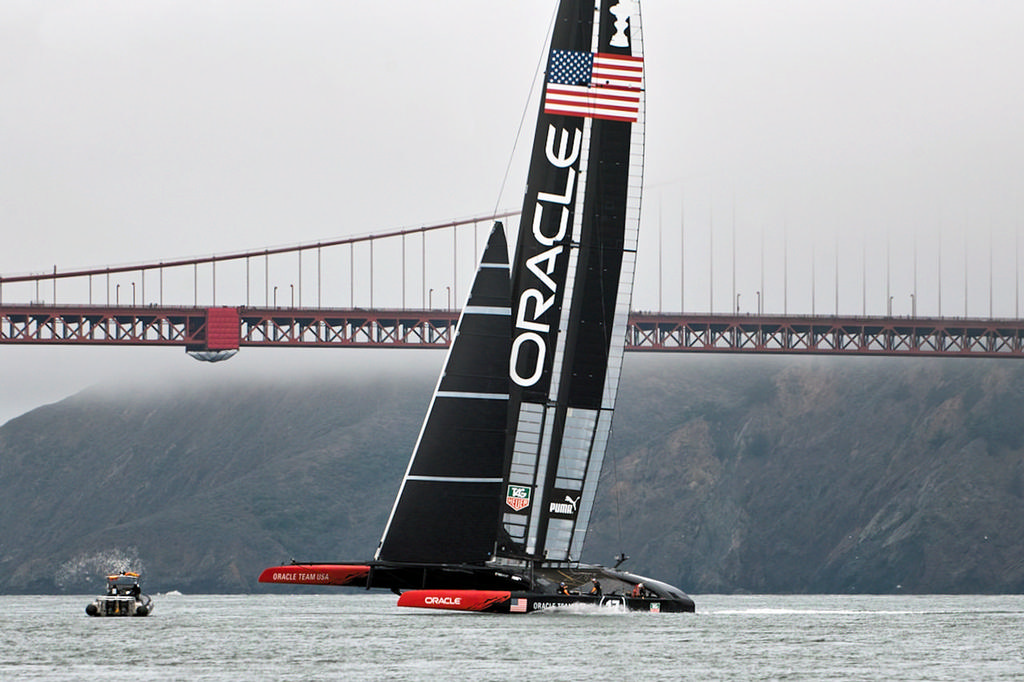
x=493, y=510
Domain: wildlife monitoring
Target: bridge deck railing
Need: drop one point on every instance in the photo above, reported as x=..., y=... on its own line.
x=227, y=328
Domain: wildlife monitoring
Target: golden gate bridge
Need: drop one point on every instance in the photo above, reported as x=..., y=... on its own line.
x=262, y=303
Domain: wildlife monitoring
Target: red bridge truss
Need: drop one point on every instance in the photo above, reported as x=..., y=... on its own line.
x=227, y=329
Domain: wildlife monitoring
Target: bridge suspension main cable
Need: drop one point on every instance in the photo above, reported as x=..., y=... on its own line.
x=34, y=286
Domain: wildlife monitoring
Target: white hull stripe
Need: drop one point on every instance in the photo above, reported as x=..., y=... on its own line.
x=474, y=396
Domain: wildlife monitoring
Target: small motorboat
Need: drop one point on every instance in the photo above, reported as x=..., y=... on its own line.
x=124, y=597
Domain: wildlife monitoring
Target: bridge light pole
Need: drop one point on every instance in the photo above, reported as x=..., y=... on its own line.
x=449, y=290
x=275, y=296
x=293, y=294
x=117, y=294
x=133, y=294
x=430, y=300
x=737, y=304
x=913, y=306
x=890, y=306
x=758, y=302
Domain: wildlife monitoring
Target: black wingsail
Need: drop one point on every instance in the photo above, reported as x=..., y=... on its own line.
x=452, y=488
x=572, y=278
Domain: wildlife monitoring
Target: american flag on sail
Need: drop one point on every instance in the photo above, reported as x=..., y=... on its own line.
x=594, y=85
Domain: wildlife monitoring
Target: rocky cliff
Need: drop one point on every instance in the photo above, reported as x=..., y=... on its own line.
x=724, y=474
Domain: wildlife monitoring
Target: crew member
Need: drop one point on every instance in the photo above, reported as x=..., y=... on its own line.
x=639, y=591
x=562, y=589
x=595, y=587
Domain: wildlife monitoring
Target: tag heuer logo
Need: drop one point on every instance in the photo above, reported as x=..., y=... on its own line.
x=518, y=497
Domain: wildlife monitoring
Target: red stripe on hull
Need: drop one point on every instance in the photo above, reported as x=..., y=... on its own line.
x=315, y=574
x=455, y=600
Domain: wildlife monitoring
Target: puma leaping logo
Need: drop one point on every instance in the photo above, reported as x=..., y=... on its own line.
x=567, y=508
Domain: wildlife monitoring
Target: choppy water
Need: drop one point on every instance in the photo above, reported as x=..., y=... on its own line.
x=365, y=637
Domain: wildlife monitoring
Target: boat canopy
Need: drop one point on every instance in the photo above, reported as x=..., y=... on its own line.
x=126, y=579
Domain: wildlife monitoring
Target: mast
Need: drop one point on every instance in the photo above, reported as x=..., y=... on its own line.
x=572, y=278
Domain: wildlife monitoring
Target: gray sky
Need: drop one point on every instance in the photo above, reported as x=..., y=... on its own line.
x=136, y=131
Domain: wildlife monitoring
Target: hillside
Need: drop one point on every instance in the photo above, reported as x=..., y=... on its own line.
x=725, y=474
x=814, y=475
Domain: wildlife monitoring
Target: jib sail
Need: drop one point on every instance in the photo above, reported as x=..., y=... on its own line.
x=450, y=494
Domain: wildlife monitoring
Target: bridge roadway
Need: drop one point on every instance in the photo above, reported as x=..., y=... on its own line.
x=227, y=329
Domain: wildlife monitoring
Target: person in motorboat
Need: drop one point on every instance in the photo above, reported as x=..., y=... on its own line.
x=124, y=597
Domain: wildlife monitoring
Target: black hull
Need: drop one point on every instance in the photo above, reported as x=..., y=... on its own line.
x=543, y=602
x=617, y=587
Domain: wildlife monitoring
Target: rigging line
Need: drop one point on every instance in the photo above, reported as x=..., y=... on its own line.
x=616, y=487
x=608, y=394
x=526, y=106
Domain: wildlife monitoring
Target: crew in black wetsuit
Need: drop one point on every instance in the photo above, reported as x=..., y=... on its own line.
x=595, y=588
x=562, y=589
